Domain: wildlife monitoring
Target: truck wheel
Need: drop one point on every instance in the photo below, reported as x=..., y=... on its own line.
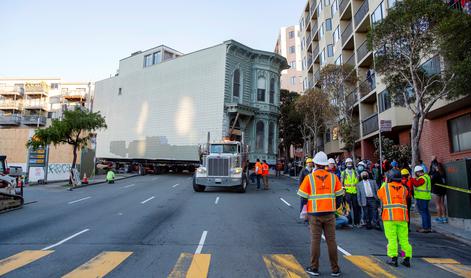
x=241, y=188
x=197, y=187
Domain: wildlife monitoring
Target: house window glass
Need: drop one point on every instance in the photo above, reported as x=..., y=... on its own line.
x=292, y=49
x=236, y=83
x=272, y=90
x=384, y=101
x=261, y=88
x=321, y=31
x=330, y=50
x=322, y=57
x=378, y=14
x=293, y=80
x=291, y=34
x=460, y=133
x=338, y=61
x=260, y=135
x=157, y=57
x=336, y=35
x=327, y=136
x=292, y=64
x=391, y=3
x=335, y=7
x=271, y=137
x=328, y=24
x=148, y=60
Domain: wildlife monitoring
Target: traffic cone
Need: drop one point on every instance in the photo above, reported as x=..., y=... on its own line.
x=85, y=179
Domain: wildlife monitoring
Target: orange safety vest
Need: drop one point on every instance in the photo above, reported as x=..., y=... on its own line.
x=265, y=169
x=394, y=198
x=258, y=168
x=320, y=189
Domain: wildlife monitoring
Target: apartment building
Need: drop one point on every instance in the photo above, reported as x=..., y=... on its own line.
x=335, y=32
x=288, y=45
x=27, y=103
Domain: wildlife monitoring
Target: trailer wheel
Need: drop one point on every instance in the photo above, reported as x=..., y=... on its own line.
x=198, y=187
x=241, y=188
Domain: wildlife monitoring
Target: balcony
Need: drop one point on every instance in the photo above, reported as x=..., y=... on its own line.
x=243, y=109
x=352, y=98
x=309, y=61
x=74, y=95
x=317, y=76
x=347, y=33
x=369, y=125
x=307, y=20
x=36, y=104
x=36, y=89
x=267, y=107
x=367, y=85
x=312, y=9
x=308, y=38
x=315, y=53
x=343, y=5
x=10, y=119
x=314, y=30
x=360, y=14
x=351, y=61
x=11, y=91
x=34, y=120
x=9, y=104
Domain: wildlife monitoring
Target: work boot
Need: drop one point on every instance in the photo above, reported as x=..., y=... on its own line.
x=406, y=262
x=393, y=261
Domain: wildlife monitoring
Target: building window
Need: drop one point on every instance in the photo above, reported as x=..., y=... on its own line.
x=291, y=34
x=293, y=80
x=148, y=60
x=261, y=88
x=330, y=50
x=322, y=57
x=167, y=55
x=391, y=3
x=335, y=7
x=384, y=101
x=301, y=23
x=460, y=133
x=319, y=9
x=328, y=24
x=378, y=14
x=157, y=57
x=326, y=2
x=271, y=137
x=292, y=64
x=236, y=83
x=260, y=136
x=54, y=85
x=327, y=136
x=321, y=31
x=292, y=49
x=272, y=90
x=338, y=61
x=336, y=35
x=120, y=91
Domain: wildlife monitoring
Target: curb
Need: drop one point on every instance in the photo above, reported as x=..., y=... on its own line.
x=444, y=232
x=100, y=182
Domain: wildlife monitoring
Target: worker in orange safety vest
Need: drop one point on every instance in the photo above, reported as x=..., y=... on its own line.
x=265, y=172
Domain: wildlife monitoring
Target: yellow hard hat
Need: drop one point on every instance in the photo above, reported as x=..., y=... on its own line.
x=405, y=172
x=309, y=160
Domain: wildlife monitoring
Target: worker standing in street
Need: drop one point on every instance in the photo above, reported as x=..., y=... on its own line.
x=349, y=182
x=304, y=173
x=265, y=173
x=258, y=172
x=423, y=194
x=110, y=176
x=393, y=196
x=323, y=192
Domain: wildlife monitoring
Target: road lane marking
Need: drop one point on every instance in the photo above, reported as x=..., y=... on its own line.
x=217, y=200
x=284, y=265
x=175, y=185
x=345, y=252
x=65, y=239
x=201, y=244
x=21, y=259
x=450, y=265
x=79, y=200
x=199, y=267
x=100, y=265
x=288, y=204
x=147, y=200
x=370, y=266
x=129, y=185
x=191, y=265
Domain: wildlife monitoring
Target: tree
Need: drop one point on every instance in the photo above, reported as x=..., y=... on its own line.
x=391, y=151
x=339, y=84
x=316, y=111
x=289, y=122
x=75, y=128
x=423, y=50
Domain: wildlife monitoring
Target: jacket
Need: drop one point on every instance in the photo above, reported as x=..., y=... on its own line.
x=361, y=193
x=303, y=174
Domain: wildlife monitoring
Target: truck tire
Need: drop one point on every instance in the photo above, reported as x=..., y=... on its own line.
x=241, y=188
x=198, y=187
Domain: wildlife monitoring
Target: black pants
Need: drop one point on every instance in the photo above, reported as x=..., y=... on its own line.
x=355, y=209
x=370, y=211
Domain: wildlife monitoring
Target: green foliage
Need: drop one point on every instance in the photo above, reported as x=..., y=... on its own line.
x=74, y=128
x=391, y=151
x=290, y=119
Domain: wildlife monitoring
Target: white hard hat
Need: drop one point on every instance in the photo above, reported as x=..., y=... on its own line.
x=321, y=159
x=348, y=160
x=331, y=161
x=418, y=168
x=361, y=163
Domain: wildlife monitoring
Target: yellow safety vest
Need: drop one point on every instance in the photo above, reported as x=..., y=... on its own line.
x=350, y=181
x=423, y=192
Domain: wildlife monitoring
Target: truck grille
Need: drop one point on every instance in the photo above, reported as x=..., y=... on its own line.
x=218, y=167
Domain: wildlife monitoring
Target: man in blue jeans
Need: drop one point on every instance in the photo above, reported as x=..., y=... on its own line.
x=423, y=194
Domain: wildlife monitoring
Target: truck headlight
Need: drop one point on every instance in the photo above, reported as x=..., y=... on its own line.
x=236, y=171
x=201, y=170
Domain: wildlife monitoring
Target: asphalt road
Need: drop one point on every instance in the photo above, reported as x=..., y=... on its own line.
x=156, y=226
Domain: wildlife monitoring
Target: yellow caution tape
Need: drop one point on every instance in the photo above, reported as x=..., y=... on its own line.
x=455, y=188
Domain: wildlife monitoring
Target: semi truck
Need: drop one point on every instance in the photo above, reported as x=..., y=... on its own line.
x=10, y=195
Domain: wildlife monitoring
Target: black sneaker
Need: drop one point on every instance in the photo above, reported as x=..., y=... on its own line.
x=336, y=273
x=406, y=262
x=312, y=271
x=392, y=261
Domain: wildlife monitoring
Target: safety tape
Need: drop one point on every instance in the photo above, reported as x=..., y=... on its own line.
x=455, y=188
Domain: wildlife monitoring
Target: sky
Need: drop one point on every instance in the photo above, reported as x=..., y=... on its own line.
x=84, y=40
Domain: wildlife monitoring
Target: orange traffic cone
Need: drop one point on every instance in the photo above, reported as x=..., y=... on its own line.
x=85, y=179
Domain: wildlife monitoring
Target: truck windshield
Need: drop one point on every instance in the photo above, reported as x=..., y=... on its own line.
x=224, y=148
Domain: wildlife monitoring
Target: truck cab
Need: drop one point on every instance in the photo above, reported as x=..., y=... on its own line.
x=224, y=164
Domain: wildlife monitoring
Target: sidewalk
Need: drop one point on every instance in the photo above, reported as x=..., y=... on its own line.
x=91, y=181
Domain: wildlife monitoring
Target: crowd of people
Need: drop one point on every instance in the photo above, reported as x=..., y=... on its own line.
x=336, y=194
